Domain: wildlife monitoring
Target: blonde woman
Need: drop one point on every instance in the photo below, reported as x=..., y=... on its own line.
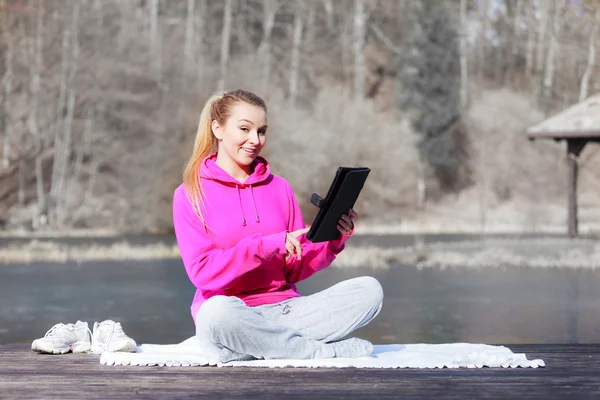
x=242, y=240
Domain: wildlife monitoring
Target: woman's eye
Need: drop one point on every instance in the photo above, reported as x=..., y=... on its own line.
x=245, y=129
x=262, y=132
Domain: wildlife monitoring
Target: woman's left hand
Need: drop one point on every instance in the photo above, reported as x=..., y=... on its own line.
x=346, y=222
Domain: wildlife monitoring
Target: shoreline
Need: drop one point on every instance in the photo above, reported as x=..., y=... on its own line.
x=477, y=252
x=368, y=228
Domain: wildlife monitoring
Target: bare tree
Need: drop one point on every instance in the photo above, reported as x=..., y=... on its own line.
x=464, y=75
x=35, y=73
x=265, y=48
x=7, y=80
x=155, y=58
x=225, y=38
x=552, y=46
x=591, y=61
x=62, y=152
x=482, y=41
x=529, y=54
x=328, y=4
x=295, y=57
x=358, y=38
x=537, y=80
x=514, y=41
x=188, y=44
x=85, y=142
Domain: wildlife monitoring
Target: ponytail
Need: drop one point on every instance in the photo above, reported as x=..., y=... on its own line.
x=204, y=144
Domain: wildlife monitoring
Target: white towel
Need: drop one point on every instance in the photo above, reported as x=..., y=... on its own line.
x=451, y=355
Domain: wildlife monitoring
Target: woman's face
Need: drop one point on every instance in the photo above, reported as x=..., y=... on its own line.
x=243, y=135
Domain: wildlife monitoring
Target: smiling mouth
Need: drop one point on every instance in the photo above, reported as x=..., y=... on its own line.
x=249, y=151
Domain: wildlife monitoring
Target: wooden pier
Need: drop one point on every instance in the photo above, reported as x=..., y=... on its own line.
x=572, y=372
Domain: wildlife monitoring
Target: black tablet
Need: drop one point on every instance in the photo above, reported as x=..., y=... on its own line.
x=341, y=196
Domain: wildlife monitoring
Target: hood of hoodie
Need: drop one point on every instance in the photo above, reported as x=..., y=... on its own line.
x=210, y=170
x=261, y=172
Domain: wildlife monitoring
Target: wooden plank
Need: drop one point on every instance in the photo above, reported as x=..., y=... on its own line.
x=572, y=371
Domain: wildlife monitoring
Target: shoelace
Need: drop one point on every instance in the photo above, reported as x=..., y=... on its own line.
x=56, y=328
x=116, y=327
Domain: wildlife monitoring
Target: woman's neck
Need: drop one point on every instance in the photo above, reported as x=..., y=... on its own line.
x=232, y=168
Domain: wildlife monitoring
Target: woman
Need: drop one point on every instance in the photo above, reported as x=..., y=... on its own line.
x=241, y=237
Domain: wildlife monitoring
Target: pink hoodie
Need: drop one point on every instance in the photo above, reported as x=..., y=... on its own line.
x=240, y=250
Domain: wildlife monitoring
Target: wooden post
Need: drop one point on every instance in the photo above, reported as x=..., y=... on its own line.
x=574, y=147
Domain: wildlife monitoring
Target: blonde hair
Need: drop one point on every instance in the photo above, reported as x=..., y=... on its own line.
x=217, y=108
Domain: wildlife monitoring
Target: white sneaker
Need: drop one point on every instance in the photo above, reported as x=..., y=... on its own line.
x=61, y=339
x=109, y=336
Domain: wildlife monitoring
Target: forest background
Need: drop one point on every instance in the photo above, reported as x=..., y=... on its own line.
x=100, y=101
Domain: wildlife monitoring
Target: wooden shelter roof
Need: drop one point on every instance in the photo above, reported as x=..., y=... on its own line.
x=581, y=120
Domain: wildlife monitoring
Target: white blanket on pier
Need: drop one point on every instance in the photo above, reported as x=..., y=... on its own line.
x=451, y=355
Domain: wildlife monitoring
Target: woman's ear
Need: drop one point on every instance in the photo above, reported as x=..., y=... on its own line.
x=216, y=129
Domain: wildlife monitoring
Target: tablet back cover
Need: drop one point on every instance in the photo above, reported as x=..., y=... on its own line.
x=341, y=196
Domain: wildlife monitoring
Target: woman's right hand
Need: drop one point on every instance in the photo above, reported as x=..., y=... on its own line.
x=292, y=244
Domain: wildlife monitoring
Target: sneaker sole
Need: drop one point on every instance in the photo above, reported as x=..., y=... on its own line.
x=75, y=348
x=128, y=347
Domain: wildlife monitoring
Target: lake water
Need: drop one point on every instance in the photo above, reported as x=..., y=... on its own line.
x=429, y=305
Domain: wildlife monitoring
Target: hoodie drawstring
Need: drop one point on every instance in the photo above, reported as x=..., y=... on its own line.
x=256, y=216
x=241, y=207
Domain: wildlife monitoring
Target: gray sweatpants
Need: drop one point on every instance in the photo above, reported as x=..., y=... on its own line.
x=298, y=328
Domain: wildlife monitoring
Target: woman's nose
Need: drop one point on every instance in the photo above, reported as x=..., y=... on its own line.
x=254, y=138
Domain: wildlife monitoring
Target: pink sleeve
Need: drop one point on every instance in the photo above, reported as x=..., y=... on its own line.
x=210, y=268
x=315, y=256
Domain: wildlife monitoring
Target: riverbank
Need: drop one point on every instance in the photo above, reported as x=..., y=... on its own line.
x=376, y=251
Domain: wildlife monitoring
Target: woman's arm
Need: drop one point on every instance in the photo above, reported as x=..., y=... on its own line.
x=315, y=256
x=208, y=267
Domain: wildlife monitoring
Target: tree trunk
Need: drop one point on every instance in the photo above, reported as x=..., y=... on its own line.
x=295, y=57
x=188, y=45
x=464, y=76
x=198, y=37
x=155, y=45
x=358, y=49
x=530, y=39
x=35, y=73
x=84, y=146
x=421, y=184
x=514, y=43
x=63, y=151
x=58, y=138
x=539, y=55
x=585, y=79
x=328, y=4
x=6, y=86
x=264, y=49
x=482, y=40
x=345, y=46
x=225, y=37
x=21, y=184
x=552, y=46
x=309, y=36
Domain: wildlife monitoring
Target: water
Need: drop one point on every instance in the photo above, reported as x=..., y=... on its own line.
x=430, y=305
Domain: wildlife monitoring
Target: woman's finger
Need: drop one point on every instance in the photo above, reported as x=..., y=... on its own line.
x=290, y=248
x=298, y=249
x=296, y=246
x=352, y=214
x=343, y=230
x=344, y=223
x=299, y=232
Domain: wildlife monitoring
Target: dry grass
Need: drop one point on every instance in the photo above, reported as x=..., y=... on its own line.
x=478, y=254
